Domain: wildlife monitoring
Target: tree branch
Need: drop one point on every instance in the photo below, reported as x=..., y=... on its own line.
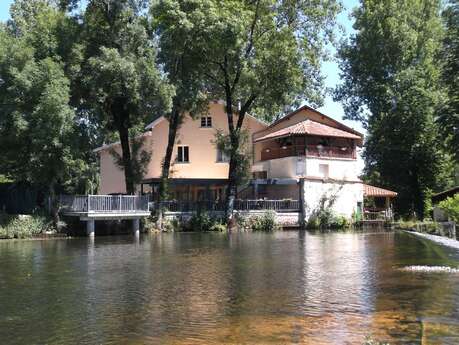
x=244, y=110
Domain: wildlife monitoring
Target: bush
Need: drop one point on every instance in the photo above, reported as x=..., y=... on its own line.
x=339, y=222
x=326, y=219
x=204, y=222
x=265, y=222
x=451, y=207
x=171, y=225
x=23, y=226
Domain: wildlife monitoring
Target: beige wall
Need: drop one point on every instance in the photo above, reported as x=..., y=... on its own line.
x=202, y=151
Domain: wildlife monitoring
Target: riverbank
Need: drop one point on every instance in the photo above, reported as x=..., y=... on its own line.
x=437, y=239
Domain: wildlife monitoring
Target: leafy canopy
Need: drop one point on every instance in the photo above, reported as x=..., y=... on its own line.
x=391, y=83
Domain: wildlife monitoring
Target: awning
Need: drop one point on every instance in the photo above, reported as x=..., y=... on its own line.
x=309, y=127
x=377, y=192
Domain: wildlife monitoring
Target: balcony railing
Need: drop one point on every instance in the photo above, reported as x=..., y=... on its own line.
x=309, y=151
x=103, y=203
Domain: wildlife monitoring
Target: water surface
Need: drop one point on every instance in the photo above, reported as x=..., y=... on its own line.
x=192, y=288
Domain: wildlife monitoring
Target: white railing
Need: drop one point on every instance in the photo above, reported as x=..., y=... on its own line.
x=104, y=203
x=239, y=205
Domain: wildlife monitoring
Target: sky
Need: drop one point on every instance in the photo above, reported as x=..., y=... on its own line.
x=329, y=69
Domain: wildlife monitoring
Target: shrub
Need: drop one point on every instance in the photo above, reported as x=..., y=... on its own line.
x=149, y=224
x=339, y=222
x=23, y=226
x=451, y=207
x=266, y=222
x=202, y=221
x=326, y=219
x=172, y=225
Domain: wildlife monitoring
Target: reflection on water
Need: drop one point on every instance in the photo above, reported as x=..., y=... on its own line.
x=281, y=288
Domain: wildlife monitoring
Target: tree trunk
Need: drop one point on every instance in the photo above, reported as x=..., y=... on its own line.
x=123, y=132
x=174, y=124
x=54, y=207
x=231, y=194
x=232, y=180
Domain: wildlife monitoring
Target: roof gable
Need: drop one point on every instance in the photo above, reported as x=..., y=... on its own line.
x=306, y=112
x=309, y=127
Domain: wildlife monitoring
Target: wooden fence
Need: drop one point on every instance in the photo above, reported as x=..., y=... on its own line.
x=104, y=203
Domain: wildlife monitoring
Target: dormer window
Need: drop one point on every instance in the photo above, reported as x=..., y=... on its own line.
x=206, y=122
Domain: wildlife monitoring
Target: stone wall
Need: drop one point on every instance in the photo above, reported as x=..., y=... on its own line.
x=285, y=219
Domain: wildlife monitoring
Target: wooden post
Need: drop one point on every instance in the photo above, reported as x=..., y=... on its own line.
x=90, y=227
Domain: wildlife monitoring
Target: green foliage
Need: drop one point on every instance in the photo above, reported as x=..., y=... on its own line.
x=115, y=67
x=451, y=207
x=172, y=225
x=23, y=226
x=323, y=216
x=39, y=129
x=392, y=84
x=266, y=222
x=449, y=117
x=261, y=54
x=202, y=221
x=242, y=157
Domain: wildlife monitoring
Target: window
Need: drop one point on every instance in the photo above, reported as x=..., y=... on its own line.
x=183, y=154
x=206, y=122
x=323, y=170
x=222, y=157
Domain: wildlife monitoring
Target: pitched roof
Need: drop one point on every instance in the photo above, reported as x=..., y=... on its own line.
x=307, y=107
x=376, y=191
x=309, y=127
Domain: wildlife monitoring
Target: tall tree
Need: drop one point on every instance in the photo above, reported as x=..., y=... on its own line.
x=392, y=85
x=184, y=68
x=258, y=54
x=38, y=127
x=449, y=118
x=122, y=83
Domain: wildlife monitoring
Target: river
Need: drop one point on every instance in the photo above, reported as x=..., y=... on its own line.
x=288, y=287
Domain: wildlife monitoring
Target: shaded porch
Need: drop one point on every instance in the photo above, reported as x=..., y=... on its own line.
x=377, y=204
x=187, y=189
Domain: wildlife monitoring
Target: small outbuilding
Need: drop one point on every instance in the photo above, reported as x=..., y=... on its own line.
x=377, y=203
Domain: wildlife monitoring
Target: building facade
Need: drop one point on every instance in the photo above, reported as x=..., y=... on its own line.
x=305, y=156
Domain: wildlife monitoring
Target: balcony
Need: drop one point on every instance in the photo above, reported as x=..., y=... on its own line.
x=339, y=152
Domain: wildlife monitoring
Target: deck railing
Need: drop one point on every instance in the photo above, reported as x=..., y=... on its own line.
x=384, y=215
x=239, y=205
x=309, y=151
x=104, y=203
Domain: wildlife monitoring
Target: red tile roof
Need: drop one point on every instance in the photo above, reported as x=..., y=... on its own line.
x=311, y=128
x=376, y=191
